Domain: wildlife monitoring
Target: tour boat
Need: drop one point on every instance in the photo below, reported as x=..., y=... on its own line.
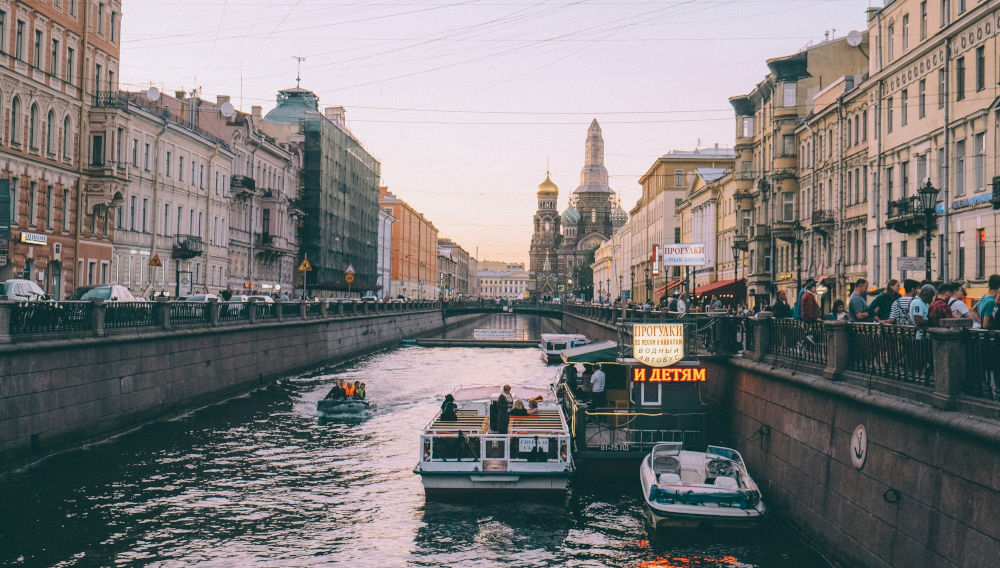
x=553, y=344
x=479, y=454
x=685, y=488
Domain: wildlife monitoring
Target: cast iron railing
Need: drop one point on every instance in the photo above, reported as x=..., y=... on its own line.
x=265, y=311
x=896, y=352
x=44, y=317
x=314, y=309
x=233, y=311
x=290, y=310
x=188, y=312
x=797, y=339
x=982, y=360
x=129, y=314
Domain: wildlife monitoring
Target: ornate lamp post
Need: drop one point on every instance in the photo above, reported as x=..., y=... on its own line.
x=798, y=230
x=736, y=268
x=928, y=200
x=631, y=284
x=649, y=286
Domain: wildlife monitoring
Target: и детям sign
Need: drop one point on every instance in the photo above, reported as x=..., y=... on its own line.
x=672, y=375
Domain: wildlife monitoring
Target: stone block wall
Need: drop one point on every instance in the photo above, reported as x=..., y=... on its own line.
x=56, y=394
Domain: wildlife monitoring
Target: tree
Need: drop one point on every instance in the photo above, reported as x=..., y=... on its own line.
x=583, y=277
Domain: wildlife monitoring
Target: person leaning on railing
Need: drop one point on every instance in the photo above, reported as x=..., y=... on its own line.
x=810, y=307
x=899, y=313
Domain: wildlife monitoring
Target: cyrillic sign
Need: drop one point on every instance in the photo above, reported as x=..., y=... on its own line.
x=684, y=255
x=34, y=239
x=671, y=375
x=493, y=333
x=658, y=344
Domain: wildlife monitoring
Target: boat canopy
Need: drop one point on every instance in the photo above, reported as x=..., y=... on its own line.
x=603, y=352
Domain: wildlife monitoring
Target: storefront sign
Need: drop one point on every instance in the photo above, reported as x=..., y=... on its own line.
x=659, y=344
x=34, y=239
x=684, y=255
x=672, y=375
x=970, y=201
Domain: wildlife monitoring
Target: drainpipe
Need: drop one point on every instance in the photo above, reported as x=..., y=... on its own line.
x=946, y=182
x=812, y=167
x=81, y=140
x=156, y=196
x=839, y=213
x=877, y=182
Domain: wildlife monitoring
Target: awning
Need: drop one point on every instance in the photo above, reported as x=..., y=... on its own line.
x=603, y=352
x=974, y=293
x=722, y=288
x=659, y=292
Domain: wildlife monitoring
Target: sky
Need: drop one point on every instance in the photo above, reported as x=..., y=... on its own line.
x=468, y=103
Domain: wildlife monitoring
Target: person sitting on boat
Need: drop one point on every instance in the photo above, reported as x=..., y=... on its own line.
x=449, y=410
x=533, y=405
x=349, y=390
x=359, y=390
x=337, y=391
x=519, y=409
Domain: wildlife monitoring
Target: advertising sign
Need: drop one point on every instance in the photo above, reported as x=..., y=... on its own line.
x=673, y=375
x=684, y=255
x=659, y=344
x=34, y=239
x=656, y=260
x=493, y=334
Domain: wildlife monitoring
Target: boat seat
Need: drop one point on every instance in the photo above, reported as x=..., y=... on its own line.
x=691, y=476
x=667, y=479
x=666, y=464
x=726, y=483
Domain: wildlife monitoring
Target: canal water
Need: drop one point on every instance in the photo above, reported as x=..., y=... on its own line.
x=264, y=480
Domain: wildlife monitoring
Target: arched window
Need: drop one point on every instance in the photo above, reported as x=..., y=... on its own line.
x=33, y=127
x=65, y=138
x=15, y=120
x=50, y=133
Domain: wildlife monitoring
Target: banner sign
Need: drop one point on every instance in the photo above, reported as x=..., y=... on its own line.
x=658, y=345
x=656, y=260
x=671, y=375
x=493, y=333
x=684, y=255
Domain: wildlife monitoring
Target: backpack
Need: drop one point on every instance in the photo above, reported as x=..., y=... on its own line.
x=938, y=311
x=672, y=306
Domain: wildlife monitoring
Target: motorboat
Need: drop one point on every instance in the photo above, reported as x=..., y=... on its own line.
x=687, y=488
x=337, y=403
x=553, y=344
x=485, y=451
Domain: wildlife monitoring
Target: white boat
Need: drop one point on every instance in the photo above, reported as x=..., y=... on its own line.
x=684, y=488
x=476, y=454
x=553, y=344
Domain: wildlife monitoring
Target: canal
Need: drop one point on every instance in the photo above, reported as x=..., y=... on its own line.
x=264, y=480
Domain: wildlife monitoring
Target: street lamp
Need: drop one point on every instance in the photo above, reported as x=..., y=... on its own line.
x=736, y=268
x=928, y=199
x=649, y=285
x=797, y=230
x=631, y=284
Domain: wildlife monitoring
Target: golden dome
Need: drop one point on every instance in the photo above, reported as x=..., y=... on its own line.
x=547, y=187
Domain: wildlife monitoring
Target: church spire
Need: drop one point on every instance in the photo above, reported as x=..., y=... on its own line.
x=594, y=176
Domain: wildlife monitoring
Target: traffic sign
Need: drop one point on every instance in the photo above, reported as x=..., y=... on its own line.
x=349, y=278
x=305, y=266
x=155, y=261
x=350, y=269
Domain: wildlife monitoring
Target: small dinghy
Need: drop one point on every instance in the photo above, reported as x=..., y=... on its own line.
x=344, y=406
x=684, y=488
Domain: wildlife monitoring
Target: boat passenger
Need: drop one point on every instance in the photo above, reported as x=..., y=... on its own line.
x=449, y=410
x=519, y=409
x=337, y=391
x=359, y=391
x=349, y=389
x=533, y=405
x=504, y=402
x=585, y=386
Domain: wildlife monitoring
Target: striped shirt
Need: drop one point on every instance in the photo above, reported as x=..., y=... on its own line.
x=900, y=311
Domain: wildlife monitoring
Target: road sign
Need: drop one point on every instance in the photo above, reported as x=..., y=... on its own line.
x=155, y=261
x=349, y=278
x=305, y=266
x=350, y=269
x=911, y=263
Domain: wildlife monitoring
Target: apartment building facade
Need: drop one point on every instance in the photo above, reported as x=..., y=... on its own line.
x=415, y=271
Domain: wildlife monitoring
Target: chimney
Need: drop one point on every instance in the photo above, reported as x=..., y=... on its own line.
x=221, y=99
x=255, y=111
x=716, y=145
x=180, y=95
x=336, y=115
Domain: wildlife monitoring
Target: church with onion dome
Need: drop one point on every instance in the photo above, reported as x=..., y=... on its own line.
x=560, y=241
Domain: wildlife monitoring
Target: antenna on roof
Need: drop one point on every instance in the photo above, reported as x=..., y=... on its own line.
x=298, y=71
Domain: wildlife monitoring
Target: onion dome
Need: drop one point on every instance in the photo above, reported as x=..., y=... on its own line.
x=570, y=216
x=547, y=187
x=618, y=216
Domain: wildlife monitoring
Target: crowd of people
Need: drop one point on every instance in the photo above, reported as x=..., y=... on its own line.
x=347, y=390
x=588, y=387
x=909, y=303
x=501, y=409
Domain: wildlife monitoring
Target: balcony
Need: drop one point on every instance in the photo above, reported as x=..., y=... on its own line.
x=759, y=232
x=242, y=186
x=783, y=231
x=187, y=246
x=111, y=99
x=906, y=215
x=267, y=244
x=822, y=221
x=740, y=241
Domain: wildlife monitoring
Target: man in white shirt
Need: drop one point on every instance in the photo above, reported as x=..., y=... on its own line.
x=597, y=382
x=958, y=307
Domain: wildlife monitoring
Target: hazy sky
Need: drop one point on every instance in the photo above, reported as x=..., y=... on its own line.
x=465, y=102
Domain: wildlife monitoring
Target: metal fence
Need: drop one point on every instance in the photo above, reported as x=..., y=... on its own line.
x=314, y=309
x=233, y=311
x=265, y=311
x=982, y=360
x=797, y=339
x=43, y=317
x=188, y=312
x=896, y=352
x=290, y=310
x=129, y=314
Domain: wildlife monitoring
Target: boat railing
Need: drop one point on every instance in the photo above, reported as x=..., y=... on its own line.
x=495, y=451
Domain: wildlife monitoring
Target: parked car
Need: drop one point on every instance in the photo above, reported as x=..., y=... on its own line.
x=263, y=298
x=201, y=297
x=106, y=292
x=18, y=289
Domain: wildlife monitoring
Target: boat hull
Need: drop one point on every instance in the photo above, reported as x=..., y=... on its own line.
x=663, y=518
x=342, y=406
x=463, y=484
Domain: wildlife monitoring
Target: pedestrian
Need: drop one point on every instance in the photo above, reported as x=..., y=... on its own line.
x=597, y=383
x=881, y=306
x=227, y=294
x=839, y=312
x=682, y=303
x=920, y=307
x=810, y=307
x=987, y=305
x=939, y=309
x=585, y=380
x=717, y=303
x=899, y=313
x=780, y=309
x=797, y=308
x=959, y=309
x=857, y=307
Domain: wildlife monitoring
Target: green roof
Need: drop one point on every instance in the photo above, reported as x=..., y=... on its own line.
x=293, y=106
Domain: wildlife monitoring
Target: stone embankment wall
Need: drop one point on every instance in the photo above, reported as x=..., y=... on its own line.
x=60, y=393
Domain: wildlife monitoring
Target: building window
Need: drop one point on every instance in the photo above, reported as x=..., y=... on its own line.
x=788, y=206
x=923, y=20
x=979, y=161
x=15, y=121
x=114, y=23
x=748, y=127
x=65, y=211
x=788, y=95
x=961, y=6
x=131, y=224
x=960, y=168
x=904, y=179
x=100, y=19
x=19, y=41
x=942, y=87
x=921, y=169
x=864, y=125
x=945, y=12
x=922, y=99
x=888, y=183
x=69, y=65
x=959, y=78
x=135, y=152
x=97, y=154
x=888, y=114
x=3, y=31
x=145, y=211
x=788, y=144
x=906, y=32
x=168, y=163
x=678, y=178
x=980, y=254
x=33, y=127
x=891, y=40
x=50, y=133
x=32, y=189
x=145, y=159
x=65, y=139
x=54, y=59
x=97, y=77
x=980, y=68
x=48, y=207
x=904, y=99
x=961, y=256
x=36, y=55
